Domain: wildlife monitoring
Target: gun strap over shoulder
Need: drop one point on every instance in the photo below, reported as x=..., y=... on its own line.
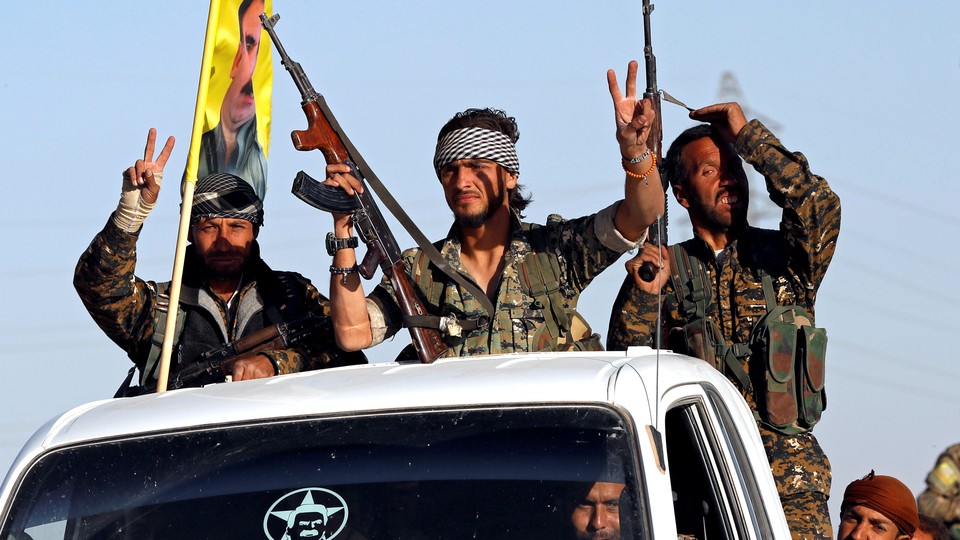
x=160, y=324
x=694, y=295
x=693, y=300
x=398, y=212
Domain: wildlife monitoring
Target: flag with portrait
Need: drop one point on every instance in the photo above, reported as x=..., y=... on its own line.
x=232, y=121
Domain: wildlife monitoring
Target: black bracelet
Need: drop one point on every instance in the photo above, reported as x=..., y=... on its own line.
x=273, y=361
x=344, y=272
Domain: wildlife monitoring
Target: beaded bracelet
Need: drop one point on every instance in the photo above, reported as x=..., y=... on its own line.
x=343, y=271
x=639, y=158
x=645, y=174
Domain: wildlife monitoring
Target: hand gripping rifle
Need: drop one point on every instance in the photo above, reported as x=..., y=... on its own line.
x=658, y=230
x=213, y=366
x=324, y=133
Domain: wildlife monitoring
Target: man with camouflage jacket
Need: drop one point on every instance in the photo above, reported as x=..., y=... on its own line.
x=703, y=166
x=228, y=291
x=477, y=165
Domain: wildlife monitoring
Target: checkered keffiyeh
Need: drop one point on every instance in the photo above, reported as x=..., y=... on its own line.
x=476, y=143
x=223, y=195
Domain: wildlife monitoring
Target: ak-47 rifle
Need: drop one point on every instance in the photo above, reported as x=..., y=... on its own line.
x=214, y=366
x=658, y=230
x=324, y=133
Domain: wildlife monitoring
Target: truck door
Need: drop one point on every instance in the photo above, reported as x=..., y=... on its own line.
x=713, y=466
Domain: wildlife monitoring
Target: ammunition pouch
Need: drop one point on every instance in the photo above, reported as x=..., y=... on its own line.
x=701, y=339
x=791, y=352
x=579, y=337
x=787, y=352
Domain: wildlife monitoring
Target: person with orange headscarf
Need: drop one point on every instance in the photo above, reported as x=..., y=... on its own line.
x=878, y=508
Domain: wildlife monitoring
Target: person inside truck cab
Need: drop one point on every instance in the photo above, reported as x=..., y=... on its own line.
x=595, y=513
x=530, y=274
x=228, y=290
x=877, y=508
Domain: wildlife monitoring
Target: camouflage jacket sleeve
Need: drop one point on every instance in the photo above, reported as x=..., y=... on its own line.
x=811, y=210
x=586, y=246
x=633, y=317
x=120, y=303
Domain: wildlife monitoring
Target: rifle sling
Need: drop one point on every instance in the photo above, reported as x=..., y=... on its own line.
x=433, y=322
x=387, y=198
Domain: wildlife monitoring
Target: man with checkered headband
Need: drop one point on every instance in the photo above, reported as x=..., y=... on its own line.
x=228, y=290
x=532, y=274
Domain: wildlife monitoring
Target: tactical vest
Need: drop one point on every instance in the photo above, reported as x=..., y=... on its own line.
x=190, y=341
x=562, y=328
x=785, y=351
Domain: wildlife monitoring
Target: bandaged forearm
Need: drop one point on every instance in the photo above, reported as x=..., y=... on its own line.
x=132, y=209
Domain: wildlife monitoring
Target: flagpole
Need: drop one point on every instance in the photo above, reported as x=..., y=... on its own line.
x=189, y=184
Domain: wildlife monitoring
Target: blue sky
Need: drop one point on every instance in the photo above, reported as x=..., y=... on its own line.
x=866, y=90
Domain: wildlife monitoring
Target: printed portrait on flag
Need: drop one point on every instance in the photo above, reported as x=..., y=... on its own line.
x=236, y=115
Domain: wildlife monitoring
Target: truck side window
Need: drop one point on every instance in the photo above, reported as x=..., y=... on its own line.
x=701, y=491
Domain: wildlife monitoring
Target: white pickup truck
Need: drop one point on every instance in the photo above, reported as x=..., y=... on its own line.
x=483, y=448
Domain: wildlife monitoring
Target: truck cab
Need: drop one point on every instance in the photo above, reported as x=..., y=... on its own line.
x=478, y=448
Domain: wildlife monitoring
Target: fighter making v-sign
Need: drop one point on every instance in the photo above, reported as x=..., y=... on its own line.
x=228, y=291
x=142, y=179
x=513, y=262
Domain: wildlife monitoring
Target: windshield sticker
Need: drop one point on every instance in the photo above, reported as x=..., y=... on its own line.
x=315, y=513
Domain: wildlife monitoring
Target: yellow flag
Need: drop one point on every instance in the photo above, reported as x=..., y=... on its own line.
x=231, y=131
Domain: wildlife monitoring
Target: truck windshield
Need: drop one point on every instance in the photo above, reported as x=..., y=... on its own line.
x=480, y=473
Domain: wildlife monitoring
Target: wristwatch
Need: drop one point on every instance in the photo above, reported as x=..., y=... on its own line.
x=335, y=244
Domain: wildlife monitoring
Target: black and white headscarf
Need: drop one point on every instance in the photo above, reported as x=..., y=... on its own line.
x=223, y=195
x=476, y=143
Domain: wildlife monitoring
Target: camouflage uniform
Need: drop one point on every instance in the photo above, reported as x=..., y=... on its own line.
x=125, y=306
x=796, y=257
x=584, y=247
x=941, y=499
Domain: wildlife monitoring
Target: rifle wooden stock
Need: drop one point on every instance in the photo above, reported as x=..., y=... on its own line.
x=370, y=226
x=214, y=366
x=248, y=345
x=323, y=133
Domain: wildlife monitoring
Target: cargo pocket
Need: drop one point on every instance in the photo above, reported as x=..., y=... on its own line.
x=813, y=373
x=701, y=338
x=780, y=396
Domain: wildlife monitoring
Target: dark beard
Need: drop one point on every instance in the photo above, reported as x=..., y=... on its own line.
x=598, y=535
x=224, y=270
x=476, y=220
x=717, y=222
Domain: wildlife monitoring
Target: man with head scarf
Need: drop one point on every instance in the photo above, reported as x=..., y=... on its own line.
x=532, y=274
x=228, y=291
x=877, y=508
